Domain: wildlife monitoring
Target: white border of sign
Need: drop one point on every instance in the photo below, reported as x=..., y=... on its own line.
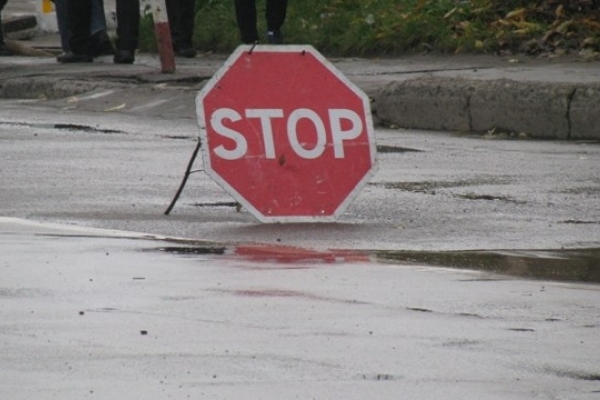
x=228, y=188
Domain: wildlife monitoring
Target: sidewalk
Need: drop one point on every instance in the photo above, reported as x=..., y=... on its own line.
x=518, y=96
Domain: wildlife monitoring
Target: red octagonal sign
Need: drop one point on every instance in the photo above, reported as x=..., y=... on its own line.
x=286, y=134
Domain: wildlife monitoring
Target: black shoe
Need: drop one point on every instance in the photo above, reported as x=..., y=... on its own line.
x=187, y=52
x=71, y=57
x=274, y=37
x=101, y=45
x=104, y=48
x=124, y=57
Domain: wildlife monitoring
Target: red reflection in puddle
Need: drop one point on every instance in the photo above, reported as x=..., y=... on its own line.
x=290, y=254
x=259, y=293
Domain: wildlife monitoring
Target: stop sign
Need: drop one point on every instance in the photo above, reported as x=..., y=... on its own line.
x=286, y=134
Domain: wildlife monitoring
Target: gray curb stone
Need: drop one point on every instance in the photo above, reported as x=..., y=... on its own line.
x=532, y=109
x=535, y=109
x=584, y=114
x=426, y=103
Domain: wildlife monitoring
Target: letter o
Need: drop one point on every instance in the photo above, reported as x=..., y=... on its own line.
x=292, y=131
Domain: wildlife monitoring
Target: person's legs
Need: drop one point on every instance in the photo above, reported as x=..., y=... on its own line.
x=79, y=17
x=181, y=21
x=62, y=20
x=3, y=50
x=275, y=14
x=187, y=18
x=101, y=44
x=98, y=18
x=128, y=27
x=173, y=12
x=245, y=15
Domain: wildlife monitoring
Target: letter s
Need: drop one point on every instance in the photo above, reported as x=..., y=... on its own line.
x=241, y=146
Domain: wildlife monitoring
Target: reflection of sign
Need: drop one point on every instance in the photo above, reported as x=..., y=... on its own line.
x=289, y=254
x=286, y=134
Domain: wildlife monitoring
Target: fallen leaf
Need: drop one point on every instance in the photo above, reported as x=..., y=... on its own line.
x=449, y=13
x=115, y=108
x=516, y=14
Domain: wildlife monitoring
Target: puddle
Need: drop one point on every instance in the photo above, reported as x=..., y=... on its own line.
x=578, y=375
x=577, y=265
x=262, y=293
x=486, y=197
x=85, y=128
x=178, y=137
x=232, y=204
x=274, y=254
x=396, y=149
x=194, y=250
x=574, y=265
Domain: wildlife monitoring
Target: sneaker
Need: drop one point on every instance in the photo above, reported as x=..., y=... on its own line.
x=274, y=37
x=124, y=57
x=71, y=57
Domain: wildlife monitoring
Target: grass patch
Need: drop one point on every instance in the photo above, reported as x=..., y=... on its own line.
x=393, y=27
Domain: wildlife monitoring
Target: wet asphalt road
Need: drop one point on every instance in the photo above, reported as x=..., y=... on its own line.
x=102, y=314
x=433, y=191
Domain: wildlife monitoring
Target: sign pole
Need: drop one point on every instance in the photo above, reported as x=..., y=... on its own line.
x=163, y=36
x=188, y=171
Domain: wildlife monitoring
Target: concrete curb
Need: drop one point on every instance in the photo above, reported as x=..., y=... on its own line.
x=532, y=109
x=584, y=113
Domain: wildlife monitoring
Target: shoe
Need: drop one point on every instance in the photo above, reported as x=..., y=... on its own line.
x=71, y=57
x=101, y=45
x=124, y=57
x=187, y=52
x=103, y=48
x=5, y=51
x=274, y=37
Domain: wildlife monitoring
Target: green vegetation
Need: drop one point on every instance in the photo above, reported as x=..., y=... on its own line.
x=391, y=27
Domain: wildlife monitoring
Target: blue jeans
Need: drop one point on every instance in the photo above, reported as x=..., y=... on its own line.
x=98, y=22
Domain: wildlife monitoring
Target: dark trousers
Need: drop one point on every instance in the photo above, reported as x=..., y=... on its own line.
x=79, y=15
x=2, y=4
x=181, y=21
x=128, y=25
x=245, y=14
